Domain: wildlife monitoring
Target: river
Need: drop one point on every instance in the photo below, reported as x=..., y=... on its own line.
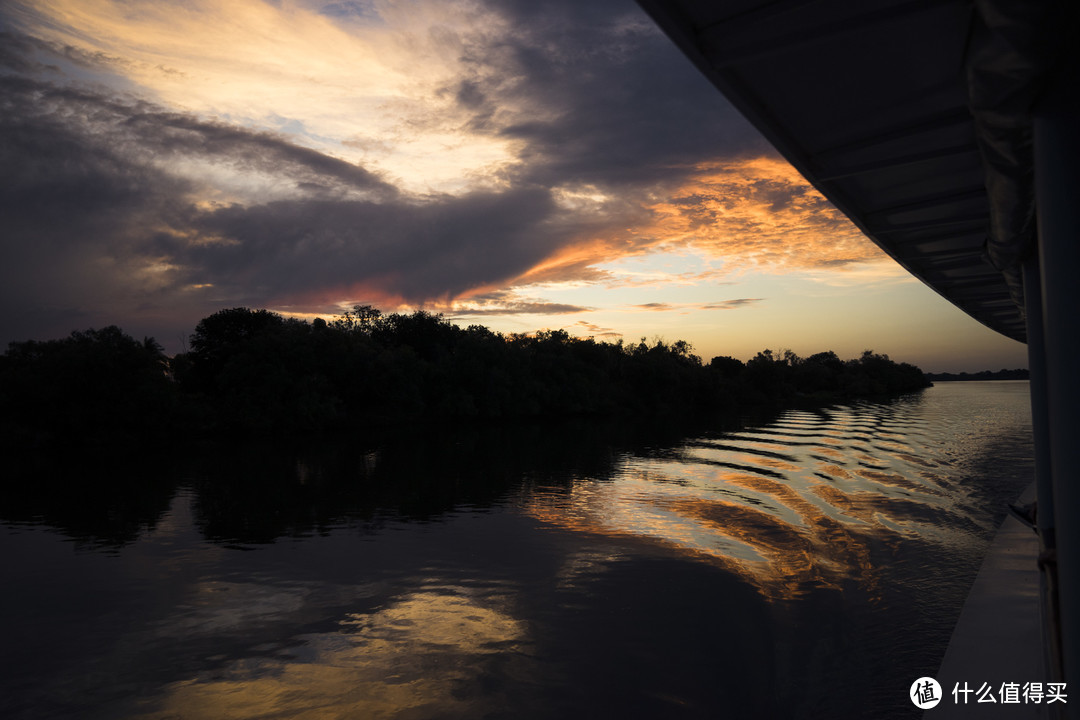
x=811, y=564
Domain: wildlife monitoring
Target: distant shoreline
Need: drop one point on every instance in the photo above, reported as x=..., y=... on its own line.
x=1017, y=374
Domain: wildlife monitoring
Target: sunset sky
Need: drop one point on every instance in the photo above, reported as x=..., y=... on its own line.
x=519, y=164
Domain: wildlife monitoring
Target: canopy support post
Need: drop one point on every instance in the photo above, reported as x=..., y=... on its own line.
x=1057, y=189
x=1044, y=491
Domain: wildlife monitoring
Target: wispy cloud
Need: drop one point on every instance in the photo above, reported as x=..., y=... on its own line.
x=589, y=329
x=326, y=78
x=733, y=304
x=505, y=303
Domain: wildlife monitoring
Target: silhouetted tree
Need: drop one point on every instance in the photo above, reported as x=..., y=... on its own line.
x=254, y=372
x=92, y=385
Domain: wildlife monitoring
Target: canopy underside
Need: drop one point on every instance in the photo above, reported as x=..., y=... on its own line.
x=912, y=118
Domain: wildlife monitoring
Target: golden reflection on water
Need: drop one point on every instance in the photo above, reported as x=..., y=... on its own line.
x=418, y=656
x=781, y=559
x=790, y=508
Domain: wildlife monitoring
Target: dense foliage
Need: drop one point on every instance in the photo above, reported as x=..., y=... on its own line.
x=255, y=372
x=89, y=384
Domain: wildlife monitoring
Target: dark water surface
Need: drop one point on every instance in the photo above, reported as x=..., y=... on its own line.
x=810, y=566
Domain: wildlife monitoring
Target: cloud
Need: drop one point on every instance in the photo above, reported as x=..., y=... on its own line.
x=163, y=161
x=759, y=212
x=507, y=303
x=421, y=252
x=74, y=212
x=16, y=53
x=596, y=94
x=746, y=213
x=594, y=330
x=750, y=213
x=91, y=182
x=354, y=80
x=733, y=304
x=116, y=207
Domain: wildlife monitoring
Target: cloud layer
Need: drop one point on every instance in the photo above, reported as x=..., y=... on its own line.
x=163, y=161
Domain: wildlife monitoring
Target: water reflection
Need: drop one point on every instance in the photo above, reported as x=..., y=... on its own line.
x=425, y=654
x=257, y=494
x=791, y=508
x=103, y=500
x=528, y=572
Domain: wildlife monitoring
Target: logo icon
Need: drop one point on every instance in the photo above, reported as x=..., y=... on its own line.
x=925, y=693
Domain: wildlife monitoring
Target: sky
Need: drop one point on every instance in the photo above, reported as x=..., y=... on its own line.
x=519, y=164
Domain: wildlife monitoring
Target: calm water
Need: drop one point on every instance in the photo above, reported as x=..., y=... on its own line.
x=809, y=566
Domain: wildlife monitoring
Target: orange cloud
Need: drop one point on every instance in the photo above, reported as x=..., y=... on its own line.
x=760, y=211
x=575, y=262
x=750, y=213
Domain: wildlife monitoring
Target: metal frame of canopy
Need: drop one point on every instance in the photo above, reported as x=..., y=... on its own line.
x=947, y=131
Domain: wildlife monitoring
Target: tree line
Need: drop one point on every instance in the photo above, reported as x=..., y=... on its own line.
x=1003, y=374
x=256, y=373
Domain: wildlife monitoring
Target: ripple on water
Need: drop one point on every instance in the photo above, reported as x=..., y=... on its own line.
x=802, y=500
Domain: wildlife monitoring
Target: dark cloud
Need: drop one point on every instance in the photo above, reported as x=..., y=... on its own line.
x=185, y=136
x=99, y=228
x=73, y=212
x=418, y=252
x=16, y=53
x=598, y=94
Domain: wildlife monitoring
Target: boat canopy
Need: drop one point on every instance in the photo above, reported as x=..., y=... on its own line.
x=913, y=117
